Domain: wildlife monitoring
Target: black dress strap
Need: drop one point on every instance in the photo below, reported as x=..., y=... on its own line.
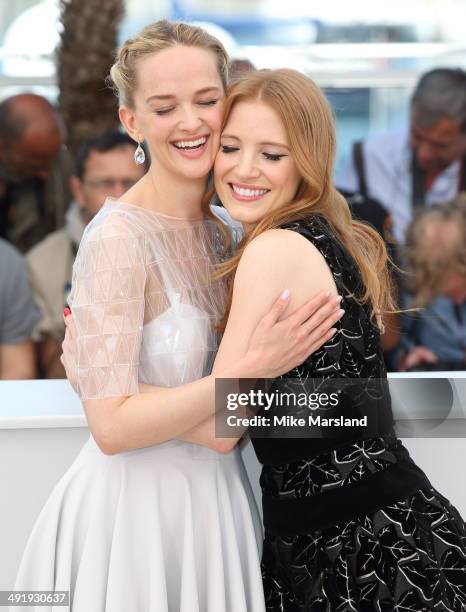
x=358, y=161
x=418, y=196
x=462, y=182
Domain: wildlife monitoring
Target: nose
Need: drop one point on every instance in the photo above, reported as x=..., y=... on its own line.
x=190, y=120
x=425, y=154
x=118, y=188
x=246, y=167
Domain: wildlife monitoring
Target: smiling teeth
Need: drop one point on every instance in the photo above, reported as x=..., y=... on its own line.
x=249, y=192
x=190, y=144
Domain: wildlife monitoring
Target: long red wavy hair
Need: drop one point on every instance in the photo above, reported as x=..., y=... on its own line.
x=308, y=121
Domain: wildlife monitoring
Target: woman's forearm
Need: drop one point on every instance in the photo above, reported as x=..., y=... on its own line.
x=202, y=434
x=158, y=415
x=205, y=434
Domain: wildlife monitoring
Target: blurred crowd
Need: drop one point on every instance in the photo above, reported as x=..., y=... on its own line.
x=415, y=178
x=46, y=200
x=406, y=184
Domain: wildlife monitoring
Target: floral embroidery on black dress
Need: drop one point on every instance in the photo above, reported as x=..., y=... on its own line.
x=408, y=555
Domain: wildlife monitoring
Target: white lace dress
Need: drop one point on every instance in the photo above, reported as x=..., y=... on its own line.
x=173, y=527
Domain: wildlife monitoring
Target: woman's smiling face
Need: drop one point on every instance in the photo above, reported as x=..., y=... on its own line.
x=178, y=106
x=255, y=172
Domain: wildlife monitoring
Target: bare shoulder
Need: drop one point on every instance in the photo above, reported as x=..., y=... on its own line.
x=282, y=259
x=281, y=248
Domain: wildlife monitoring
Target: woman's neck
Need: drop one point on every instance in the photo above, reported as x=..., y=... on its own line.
x=175, y=196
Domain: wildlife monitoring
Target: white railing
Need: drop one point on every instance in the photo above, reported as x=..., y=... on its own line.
x=42, y=429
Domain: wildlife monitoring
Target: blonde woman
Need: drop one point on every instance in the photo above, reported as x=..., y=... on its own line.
x=436, y=256
x=351, y=523
x=142, y=522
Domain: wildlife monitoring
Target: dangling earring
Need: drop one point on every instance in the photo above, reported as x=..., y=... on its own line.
x=139, y=155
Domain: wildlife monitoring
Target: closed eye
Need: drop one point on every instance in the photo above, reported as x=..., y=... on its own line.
x=164, y=111
x=228, y=149
x=208, y=102
x=273, y=156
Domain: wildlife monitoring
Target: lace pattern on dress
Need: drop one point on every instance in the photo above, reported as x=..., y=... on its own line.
x=144, y=300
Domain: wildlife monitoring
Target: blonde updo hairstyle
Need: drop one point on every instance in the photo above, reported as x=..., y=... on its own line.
x=157, y=37
x=308, y=122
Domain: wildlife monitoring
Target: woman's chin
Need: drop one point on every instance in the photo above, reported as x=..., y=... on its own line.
x=235, y=212
x=238, y=215
x=194, y=169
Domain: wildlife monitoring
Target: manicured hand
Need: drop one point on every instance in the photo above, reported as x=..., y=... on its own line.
x=280, y=344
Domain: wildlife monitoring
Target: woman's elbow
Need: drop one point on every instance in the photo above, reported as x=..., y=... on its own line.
x=109, y=449
x=102, y=423
x=107, y=441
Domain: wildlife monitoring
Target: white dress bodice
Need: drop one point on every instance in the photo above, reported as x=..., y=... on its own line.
x=177, y=347
x=145, y=300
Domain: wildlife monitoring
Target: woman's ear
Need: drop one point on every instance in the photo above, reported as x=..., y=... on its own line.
x=128, y=120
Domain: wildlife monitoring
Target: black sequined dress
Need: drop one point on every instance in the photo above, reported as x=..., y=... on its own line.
x=354, y=524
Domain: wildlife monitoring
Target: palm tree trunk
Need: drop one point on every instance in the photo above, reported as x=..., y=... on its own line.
x=87, y=50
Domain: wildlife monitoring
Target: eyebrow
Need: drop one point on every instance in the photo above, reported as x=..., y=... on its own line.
x=171, y=96
x=273, y=144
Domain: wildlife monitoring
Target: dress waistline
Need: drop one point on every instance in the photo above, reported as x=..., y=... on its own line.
x=289, y=517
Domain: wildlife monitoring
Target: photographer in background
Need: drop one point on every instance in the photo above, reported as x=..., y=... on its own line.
x=420, y=166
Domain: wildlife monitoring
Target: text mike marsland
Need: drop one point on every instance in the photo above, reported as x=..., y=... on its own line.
x=291, y=421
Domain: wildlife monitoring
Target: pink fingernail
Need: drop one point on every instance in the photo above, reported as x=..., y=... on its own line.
x=285, y=295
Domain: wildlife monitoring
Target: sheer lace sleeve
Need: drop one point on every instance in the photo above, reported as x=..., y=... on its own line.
x=107, y=301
